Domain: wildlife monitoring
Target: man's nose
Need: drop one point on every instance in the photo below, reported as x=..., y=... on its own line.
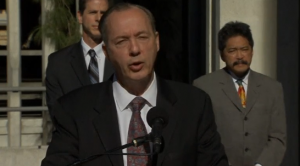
x=239, y=54
x=134, y=48
x=98, y=16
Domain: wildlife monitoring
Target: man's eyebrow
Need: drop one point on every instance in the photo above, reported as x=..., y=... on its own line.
x=120, y=37
x=103, y=11
x=126, y=36
x=142, y=33
x=245, y=47
x=230, y=48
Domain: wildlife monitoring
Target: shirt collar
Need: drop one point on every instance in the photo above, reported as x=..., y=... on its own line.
x=86, y=48
x=123, y=97
x=235, y=78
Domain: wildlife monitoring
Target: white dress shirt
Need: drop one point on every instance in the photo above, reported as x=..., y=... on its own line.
x=245, y=82
x=122, y=99
x=99, y=56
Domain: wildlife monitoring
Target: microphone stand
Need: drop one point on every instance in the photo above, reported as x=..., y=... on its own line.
x=135, y=142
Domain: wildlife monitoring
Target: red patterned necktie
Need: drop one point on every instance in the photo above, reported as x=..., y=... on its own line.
x=137, y=129
x=241, y=92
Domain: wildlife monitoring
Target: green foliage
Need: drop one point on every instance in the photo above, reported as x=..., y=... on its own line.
x=60, y=25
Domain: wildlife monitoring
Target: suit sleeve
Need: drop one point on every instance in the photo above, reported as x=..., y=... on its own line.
x=53, y=89
x=210, y=149
x=274, y=150
x=201, y=84
x=63, y=149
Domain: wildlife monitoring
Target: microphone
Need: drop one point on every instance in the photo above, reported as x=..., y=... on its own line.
x=157, y=118
x=135, y=142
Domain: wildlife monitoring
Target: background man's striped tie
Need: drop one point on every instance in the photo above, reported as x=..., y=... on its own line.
x=93, y=67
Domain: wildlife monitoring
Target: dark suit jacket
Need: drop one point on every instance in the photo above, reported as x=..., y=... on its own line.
x=67, y=71
x=253, y=134
x=86, y=124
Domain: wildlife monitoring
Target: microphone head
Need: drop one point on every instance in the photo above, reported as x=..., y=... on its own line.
x=157, y=113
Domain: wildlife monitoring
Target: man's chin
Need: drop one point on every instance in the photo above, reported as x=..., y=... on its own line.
x=140, y=77
x=241, y=73
x=96, y=37
x=241, y=68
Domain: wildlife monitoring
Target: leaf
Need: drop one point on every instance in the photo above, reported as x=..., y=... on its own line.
x=60, y=25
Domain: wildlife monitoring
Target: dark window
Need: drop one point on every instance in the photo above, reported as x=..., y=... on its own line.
x=3, y=69
x=31, y=68
x=30, y=19
x=30, y=103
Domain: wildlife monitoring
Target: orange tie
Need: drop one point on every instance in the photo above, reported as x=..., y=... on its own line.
x=241, y=92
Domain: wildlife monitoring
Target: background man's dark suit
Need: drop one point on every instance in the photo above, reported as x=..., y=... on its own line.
x=89, y=125
x=67, y=71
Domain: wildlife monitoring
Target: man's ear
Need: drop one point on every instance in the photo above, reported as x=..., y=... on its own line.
x=157, y=40
x=222, y=57
x=104, y=48
x=79, y=17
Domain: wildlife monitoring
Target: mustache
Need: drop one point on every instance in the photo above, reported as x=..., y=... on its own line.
x=240, y=62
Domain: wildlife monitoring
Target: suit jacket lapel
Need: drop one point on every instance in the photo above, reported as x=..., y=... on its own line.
x=230, y=90
x=108, y=70
x=106, y=123
x=166, y=100
x=252, y=91
x=78, y=64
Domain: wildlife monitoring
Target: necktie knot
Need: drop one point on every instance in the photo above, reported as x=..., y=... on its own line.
x=137, y=104
x=239, y=82
x=92, y=53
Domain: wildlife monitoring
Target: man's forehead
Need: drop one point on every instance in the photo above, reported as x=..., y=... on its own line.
x=101, y=5
x=106, y=1
x=237, y=47
x=126, y=13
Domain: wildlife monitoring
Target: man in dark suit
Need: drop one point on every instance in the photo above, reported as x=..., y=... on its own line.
x=71, y=67
x=248, y=106
x=97, y=118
